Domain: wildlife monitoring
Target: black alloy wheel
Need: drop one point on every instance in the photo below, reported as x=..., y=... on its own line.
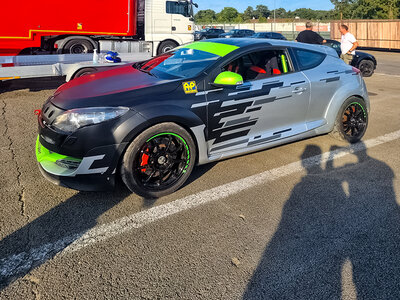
x=159, y=160
x=351, y=121
x=367, y=68
x=162, y=160
x=354, y=121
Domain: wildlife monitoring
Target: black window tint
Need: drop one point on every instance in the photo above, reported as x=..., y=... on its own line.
x=308, y=59
x=178, y=8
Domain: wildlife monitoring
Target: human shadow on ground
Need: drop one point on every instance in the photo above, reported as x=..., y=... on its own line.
x=334, y=216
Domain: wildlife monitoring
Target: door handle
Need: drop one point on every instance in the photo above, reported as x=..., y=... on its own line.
x=299, y=90
x=173, y=28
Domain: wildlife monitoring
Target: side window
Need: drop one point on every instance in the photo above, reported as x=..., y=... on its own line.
x=177, y=8
x=260, y=65
x=308, y=59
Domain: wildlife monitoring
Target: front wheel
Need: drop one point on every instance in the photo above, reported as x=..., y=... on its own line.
x=159, y=161
x=352, y=120
x=166, y=46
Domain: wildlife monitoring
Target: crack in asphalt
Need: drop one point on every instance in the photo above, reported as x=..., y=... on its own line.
x=21, y=193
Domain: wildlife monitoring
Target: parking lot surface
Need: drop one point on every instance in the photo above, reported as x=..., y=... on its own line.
x=315, y=219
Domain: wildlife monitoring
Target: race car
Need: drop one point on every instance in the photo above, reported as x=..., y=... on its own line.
x=151, y=122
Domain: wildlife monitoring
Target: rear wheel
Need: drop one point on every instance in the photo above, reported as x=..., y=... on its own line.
x=352, y=120
x=159, y=160
x=78, y=46
x=367, y=68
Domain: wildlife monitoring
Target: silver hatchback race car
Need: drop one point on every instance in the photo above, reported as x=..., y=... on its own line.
x=151, y=122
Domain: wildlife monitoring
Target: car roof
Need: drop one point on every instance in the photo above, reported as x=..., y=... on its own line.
x=247, y=42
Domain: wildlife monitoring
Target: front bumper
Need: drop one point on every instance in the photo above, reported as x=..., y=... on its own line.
x=94, y=172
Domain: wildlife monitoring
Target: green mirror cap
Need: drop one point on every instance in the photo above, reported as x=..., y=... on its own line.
x=228, y=78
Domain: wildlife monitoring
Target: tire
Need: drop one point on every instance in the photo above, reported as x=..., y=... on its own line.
x=83, y=72
x=77, y=46
x=351, y=121
x=166, y=46
x=367, y=67
x=166, y=149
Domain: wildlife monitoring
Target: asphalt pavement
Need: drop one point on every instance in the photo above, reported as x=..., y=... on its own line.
x=315, y=219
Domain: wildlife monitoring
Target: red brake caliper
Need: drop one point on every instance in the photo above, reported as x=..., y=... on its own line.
x=145, y=161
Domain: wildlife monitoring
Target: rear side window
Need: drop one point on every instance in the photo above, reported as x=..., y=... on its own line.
x=308, y=59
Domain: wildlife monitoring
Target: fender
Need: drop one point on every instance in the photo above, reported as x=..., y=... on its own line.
x=345, y=92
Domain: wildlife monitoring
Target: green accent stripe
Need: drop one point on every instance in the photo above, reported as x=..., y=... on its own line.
x=284, y=64
x=43, y=154
x=365, y=114
x=211, y=47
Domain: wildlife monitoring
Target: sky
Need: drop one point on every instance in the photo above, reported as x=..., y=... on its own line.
x=241, y=5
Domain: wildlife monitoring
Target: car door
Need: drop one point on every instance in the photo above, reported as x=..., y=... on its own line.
x=260, y=110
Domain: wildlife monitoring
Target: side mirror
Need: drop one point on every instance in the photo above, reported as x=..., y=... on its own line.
x=228, y=79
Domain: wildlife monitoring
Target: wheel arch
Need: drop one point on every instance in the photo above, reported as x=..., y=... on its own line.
x=171, y=114
x=336, y=103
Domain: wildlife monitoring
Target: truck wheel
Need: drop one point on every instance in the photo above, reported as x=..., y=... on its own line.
x=366, y=67
x=83, y=72
x=351, y=121
x=159, y=160
x=166, y=46
x=77, y=46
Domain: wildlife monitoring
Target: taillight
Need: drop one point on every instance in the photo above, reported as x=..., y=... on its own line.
x=357, y=71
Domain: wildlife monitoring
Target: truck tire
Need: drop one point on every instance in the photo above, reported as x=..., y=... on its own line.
x=166, y=46
x=77, y=46
x=83, y=72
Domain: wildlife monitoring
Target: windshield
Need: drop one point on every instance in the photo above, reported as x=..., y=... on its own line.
x=233, y=31
x=179, y=63
x=180, y=8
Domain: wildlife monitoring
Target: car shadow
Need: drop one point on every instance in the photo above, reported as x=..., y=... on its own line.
x=334, y=217
x=32, y=84
x=49, y=234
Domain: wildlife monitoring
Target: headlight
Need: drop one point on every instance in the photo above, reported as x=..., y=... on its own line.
x=228, y=36
x=73, y=119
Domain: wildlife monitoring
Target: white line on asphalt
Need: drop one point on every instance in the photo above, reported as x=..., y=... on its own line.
x=23, y=262
x=383, y=74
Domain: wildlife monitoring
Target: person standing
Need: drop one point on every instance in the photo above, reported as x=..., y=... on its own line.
x=349, y=44
x=309, y=36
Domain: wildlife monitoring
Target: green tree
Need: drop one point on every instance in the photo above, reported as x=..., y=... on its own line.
x=249, y=13
x=281, y=13
x=262, y=11
x=205, y=16
x=238, y=19
x=227, y=15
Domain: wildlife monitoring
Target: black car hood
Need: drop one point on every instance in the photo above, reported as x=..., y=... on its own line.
x=114, y=87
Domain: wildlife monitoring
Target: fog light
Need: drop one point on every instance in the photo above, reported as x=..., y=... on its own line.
x=68, y=164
